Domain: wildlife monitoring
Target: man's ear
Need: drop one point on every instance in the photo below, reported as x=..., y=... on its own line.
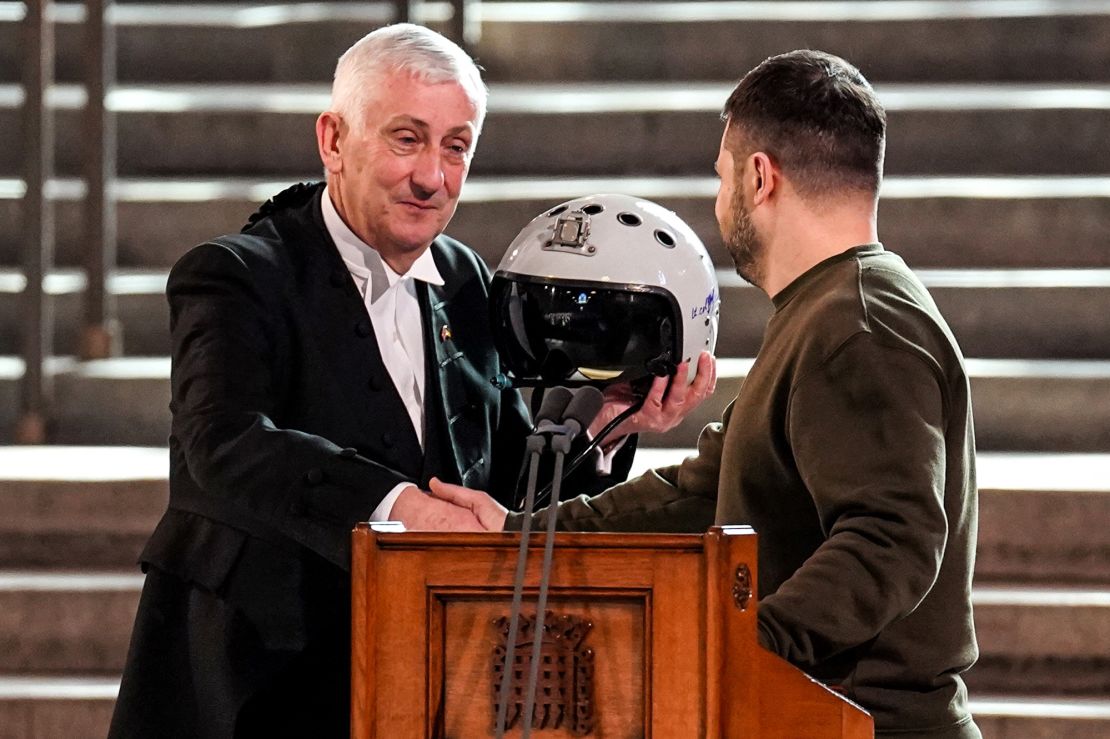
x=764, y=177
x=330, y=130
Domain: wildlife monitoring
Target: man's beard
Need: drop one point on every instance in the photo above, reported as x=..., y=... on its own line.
x=742, y=241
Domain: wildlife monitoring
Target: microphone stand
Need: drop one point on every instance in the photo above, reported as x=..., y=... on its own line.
x=552, y=408
x=535, y=445
x=560, y=444
x=580, y=411
x=561, y=436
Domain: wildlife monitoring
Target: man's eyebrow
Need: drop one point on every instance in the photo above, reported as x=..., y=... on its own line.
x=408, y=120
x=460, y=130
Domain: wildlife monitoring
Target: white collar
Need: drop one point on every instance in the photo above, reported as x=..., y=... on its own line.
x=365, y=261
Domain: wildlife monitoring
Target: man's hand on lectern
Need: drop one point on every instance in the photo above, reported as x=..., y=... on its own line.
x=488, y=511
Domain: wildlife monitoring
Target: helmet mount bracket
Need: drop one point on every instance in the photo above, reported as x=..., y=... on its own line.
x=570, y=234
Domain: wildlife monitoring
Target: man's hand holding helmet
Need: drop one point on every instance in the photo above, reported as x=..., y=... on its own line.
x=668, y=401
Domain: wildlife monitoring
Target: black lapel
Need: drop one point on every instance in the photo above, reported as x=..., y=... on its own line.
x=439, y=355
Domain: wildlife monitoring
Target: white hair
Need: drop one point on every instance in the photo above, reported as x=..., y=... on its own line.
x=402, y=47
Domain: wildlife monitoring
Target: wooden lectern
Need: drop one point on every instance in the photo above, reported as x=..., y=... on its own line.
x=646, y=635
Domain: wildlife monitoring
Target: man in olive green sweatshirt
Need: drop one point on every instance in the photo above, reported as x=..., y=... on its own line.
x=850, y=447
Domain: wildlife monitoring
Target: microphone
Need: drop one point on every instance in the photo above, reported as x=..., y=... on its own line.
x=582, y=410
x=552, y=409
x=546, y=425
x=583, y=420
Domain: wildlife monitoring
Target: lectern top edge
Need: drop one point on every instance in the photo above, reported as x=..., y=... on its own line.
x=391, y=534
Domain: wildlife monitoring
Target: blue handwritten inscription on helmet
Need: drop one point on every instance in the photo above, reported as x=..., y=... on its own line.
x=706, y=308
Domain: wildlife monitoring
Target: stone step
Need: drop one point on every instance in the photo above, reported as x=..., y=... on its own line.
x=91, y=507
x=139, y=298
x=660, y=128
x=1053, y=641
x=1033, y=314
x=1037, y=515
x=1049, y=641
x=94, y=507
x=1020, y=404
x=1025, y=716
x=1016, y=40
x=949, y=222
x=38, y=707
x=116, y=401
x=683, y=40
x=66, y=622
x=45, y=707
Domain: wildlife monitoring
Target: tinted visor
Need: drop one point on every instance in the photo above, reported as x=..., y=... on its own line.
x=558, y=331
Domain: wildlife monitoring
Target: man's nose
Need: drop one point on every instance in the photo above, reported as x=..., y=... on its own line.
x=427, y=173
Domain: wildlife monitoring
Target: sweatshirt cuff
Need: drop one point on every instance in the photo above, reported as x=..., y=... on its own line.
x=514, y=521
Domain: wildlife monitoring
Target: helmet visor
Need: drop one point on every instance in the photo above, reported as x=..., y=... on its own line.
x=560, y=331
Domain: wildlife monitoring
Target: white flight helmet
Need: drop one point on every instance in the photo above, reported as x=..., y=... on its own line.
x=604, y=288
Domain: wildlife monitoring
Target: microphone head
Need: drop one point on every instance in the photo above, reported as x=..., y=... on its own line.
x=554, y=405
x=583, y=408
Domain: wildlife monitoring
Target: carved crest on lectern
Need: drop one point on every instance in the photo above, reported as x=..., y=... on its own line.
x=742, y=586
x=564, y=688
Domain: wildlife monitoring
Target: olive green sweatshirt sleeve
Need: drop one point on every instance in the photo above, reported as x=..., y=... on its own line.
x=677, y=499
x=867, y=432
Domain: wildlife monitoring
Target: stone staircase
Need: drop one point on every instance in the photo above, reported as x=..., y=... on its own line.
x=998, y=193
x=67, y=597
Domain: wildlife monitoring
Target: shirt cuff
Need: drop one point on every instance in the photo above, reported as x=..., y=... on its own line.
x=603, y=461
x=381, y=513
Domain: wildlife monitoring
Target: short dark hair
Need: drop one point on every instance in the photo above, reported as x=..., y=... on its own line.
x=816, y=116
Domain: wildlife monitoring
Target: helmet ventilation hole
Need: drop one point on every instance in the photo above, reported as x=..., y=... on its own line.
x=664, y=238
x=593, y=209
x=557, y=211
x=629, y=219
